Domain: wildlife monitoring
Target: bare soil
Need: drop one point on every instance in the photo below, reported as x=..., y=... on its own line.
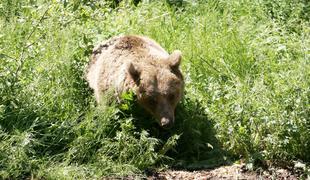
x=228, y=172
x=234, y=171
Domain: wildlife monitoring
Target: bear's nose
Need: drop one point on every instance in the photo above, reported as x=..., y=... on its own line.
x=166, y=123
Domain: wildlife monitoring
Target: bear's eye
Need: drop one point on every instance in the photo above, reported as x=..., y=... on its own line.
x=171, y=97
x=152, y=102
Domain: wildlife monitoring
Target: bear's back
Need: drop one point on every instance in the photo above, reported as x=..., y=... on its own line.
x=108, y=61
x=139, y=45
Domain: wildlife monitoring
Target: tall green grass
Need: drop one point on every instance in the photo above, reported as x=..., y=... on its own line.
x=246, y=66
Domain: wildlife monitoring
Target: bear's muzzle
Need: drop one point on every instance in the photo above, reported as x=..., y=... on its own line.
x=166, y=122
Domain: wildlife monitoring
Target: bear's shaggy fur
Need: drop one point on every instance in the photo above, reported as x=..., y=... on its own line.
x=139, y=64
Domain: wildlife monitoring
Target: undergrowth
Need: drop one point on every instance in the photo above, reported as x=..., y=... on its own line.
x=246, y=67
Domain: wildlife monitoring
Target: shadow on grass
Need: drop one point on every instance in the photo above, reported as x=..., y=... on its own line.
x=197, y=147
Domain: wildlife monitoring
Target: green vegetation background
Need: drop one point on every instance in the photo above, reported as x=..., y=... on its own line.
x=246, y=66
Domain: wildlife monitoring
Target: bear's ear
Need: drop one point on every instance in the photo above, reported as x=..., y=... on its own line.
x=175, y=59
x=134, y=72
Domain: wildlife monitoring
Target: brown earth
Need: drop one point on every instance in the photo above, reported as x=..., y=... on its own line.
x=235, y=171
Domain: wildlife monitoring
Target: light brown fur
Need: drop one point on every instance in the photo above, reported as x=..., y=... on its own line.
x=138, y=63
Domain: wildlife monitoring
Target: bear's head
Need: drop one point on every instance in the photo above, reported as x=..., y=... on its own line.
x=159, y=86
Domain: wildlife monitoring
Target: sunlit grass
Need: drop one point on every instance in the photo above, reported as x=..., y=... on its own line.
x=246, y=67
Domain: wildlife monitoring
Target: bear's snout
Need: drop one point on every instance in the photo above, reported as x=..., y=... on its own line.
x=166, y=122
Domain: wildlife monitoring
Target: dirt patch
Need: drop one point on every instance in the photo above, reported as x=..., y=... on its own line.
x=235, y=171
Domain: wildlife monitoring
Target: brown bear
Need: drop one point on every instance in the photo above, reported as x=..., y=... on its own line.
x=139, y=64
